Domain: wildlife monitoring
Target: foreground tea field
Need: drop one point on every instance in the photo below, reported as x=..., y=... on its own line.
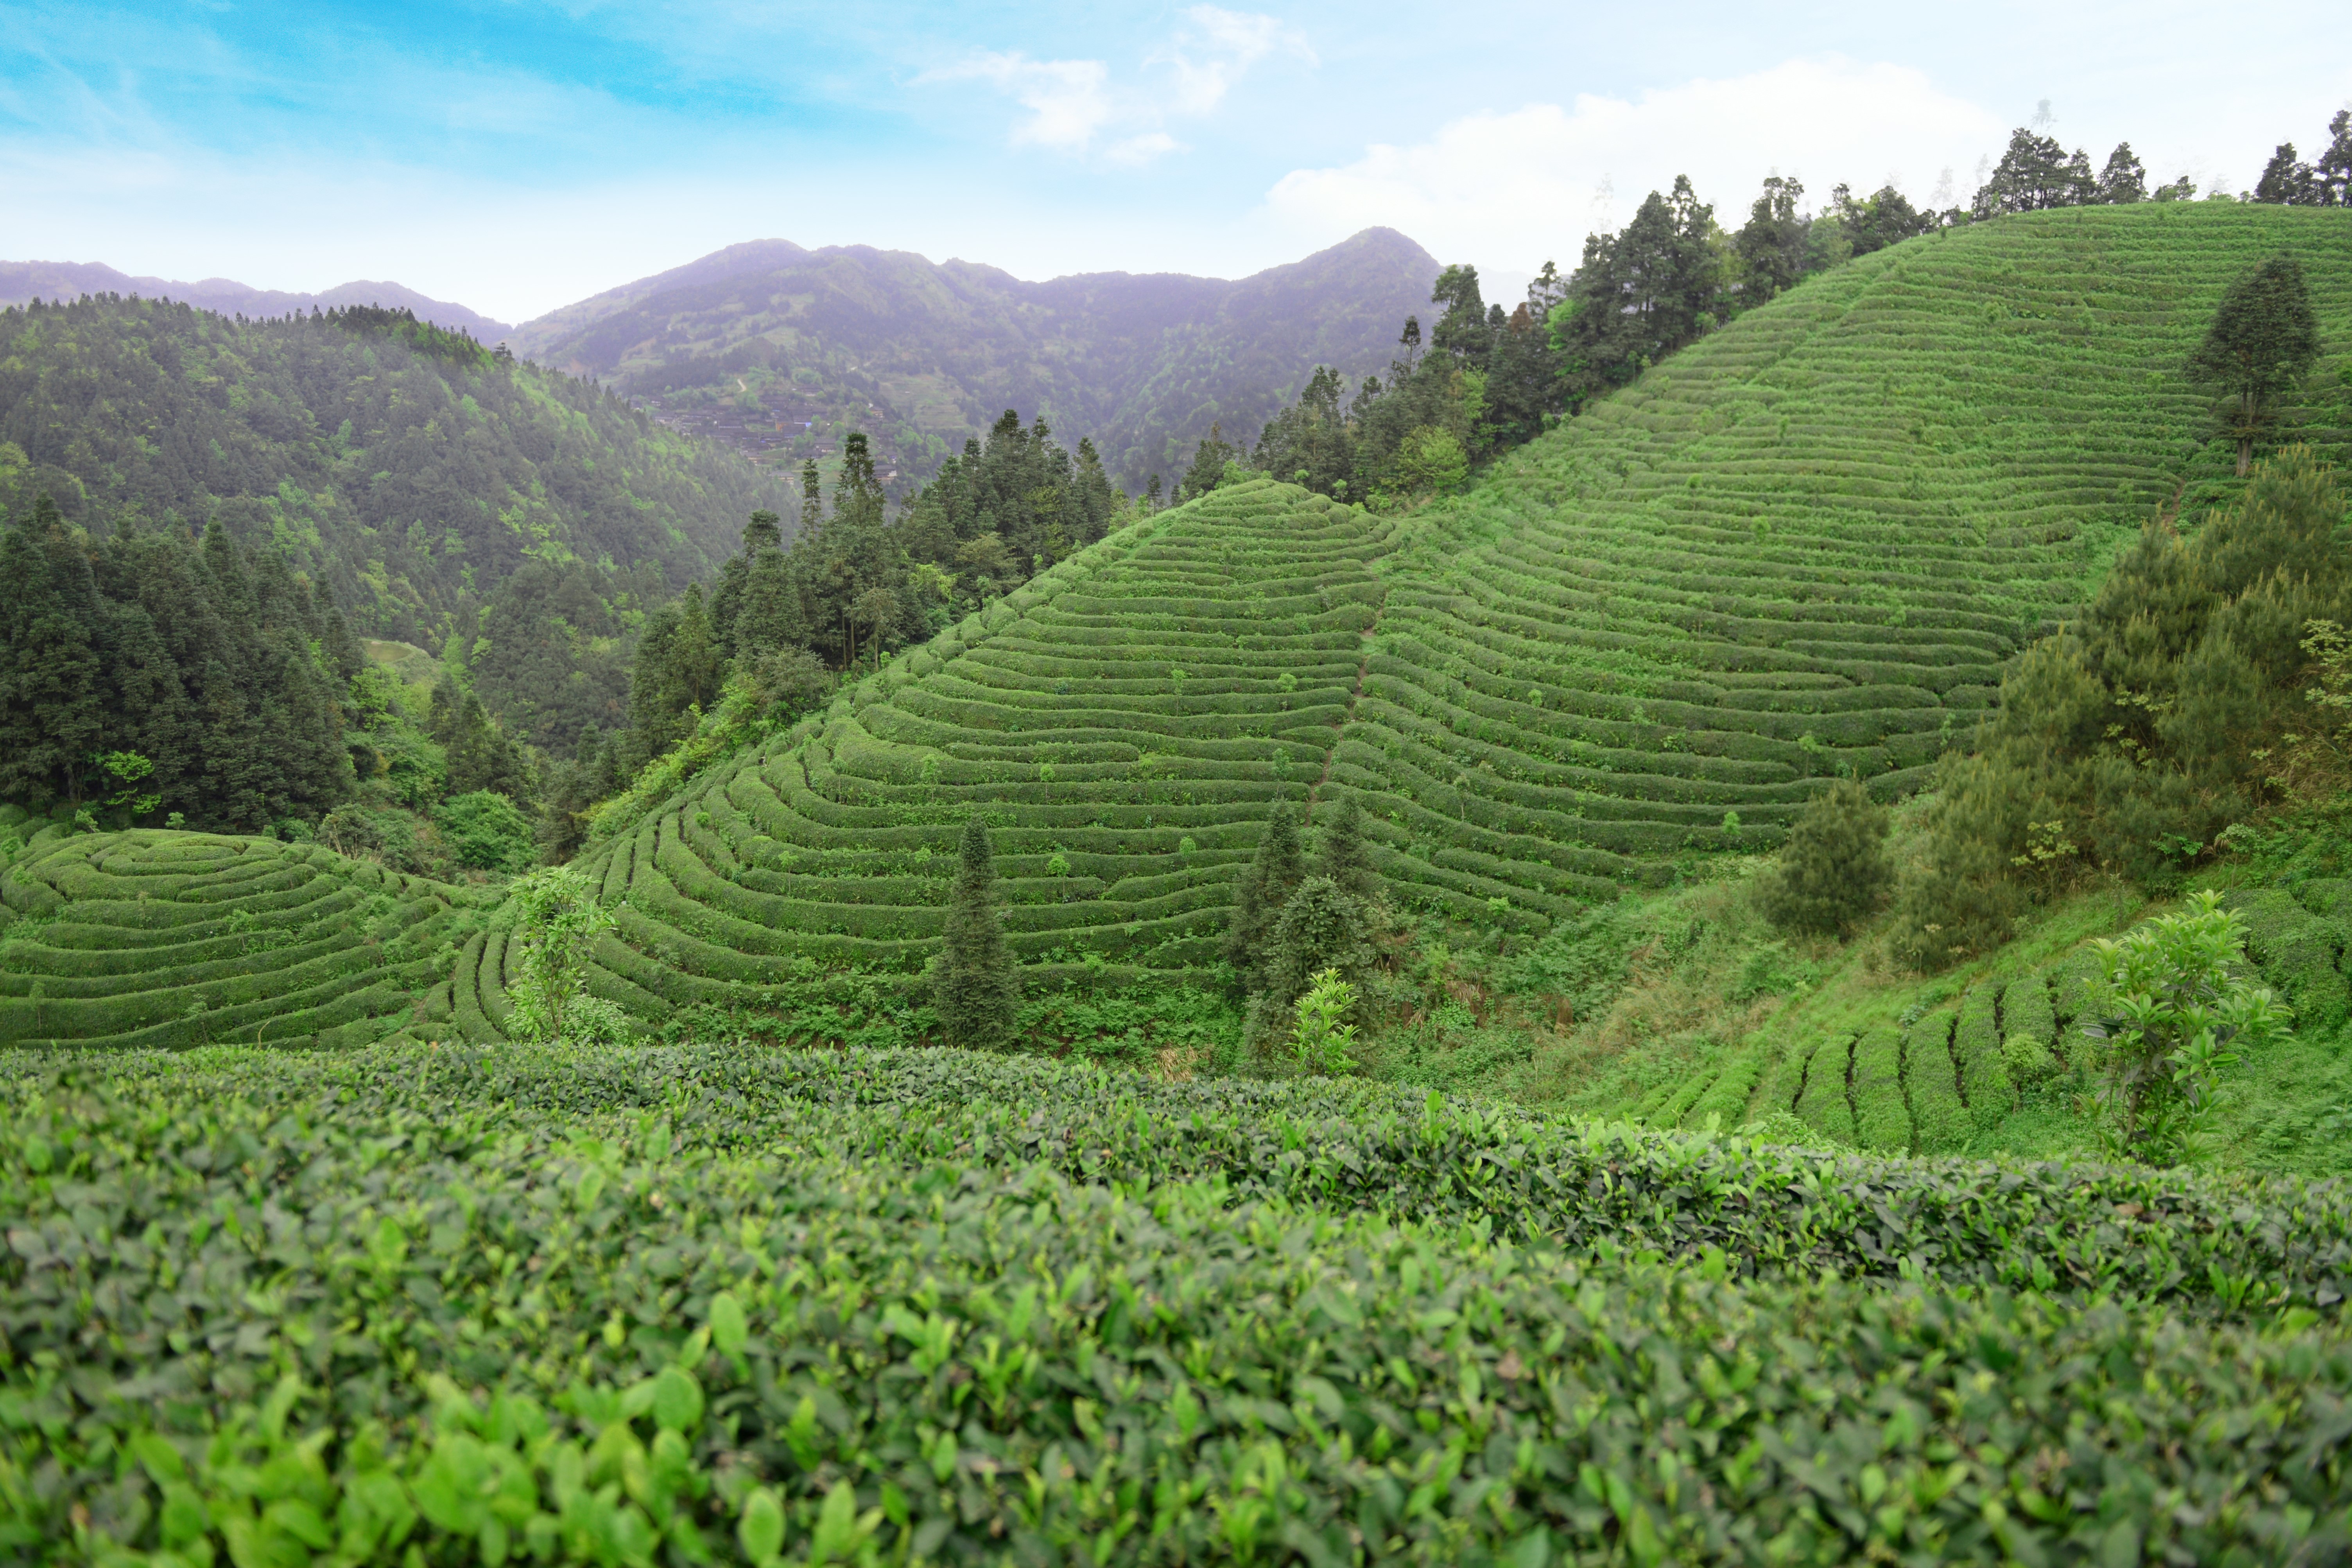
x=717, y=1305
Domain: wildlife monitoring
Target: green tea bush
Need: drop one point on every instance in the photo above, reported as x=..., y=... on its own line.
x=1941, y=1122
x=1826, y=1102
x=743, y=1306
x=2169, y=1007
x=485, y=831
x=1882, y=1118
x=1985, y=1086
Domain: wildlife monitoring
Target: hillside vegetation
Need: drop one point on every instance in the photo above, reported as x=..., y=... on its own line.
x=1805, y=547
x=170, y=940
x=456, y=1295
x=409, y=469
x=922, y=356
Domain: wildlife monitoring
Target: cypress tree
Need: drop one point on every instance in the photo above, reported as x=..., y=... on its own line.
x=1323, y=926
x=152, y=714
x=441, y=713
x=341, y=649
x=973, y=981
x=691, y=677
x=1259, y=897
x=482, y=757
x=727, y=604
x=771, y=616
x=233, y=698
x=1343, y=856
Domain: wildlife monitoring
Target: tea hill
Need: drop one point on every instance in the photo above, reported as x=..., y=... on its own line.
x=1805, y=546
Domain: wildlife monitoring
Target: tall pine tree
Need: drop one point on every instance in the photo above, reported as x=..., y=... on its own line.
x=973, y=981
x=2262, y=339
x=52, y=700
x=1258, y=898
x=1342, y=855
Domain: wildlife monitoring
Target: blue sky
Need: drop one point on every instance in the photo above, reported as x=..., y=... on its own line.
x=515, y=156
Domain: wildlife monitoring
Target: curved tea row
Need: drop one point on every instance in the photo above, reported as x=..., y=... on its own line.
x=157, y=939
x=1804, y=547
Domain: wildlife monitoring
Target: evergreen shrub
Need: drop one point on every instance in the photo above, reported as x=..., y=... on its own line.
x=1834, y=869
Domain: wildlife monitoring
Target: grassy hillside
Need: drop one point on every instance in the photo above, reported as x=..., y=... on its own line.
x=758, y=341
x=411, y=470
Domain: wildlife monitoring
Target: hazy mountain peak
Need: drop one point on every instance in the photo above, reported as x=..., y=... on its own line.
x=23, y=282
x=770, y=344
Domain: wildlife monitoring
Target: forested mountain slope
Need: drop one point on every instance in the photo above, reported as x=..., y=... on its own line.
x=1143, y=364
x=407, y=468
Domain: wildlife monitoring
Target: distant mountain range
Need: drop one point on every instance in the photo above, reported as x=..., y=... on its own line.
x=779, y=351
x=22, y=281
x=773, y=347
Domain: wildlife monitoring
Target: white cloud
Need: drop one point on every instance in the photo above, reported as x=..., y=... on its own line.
x=1139, y=150
x=1217, y=49
x=1064, y=99
x=1517, y=188
x=1071, y=103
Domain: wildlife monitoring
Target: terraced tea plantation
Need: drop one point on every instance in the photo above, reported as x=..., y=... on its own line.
x=1124, y=722
x=1804, y=545
x=168, y=940
x=729, y=1305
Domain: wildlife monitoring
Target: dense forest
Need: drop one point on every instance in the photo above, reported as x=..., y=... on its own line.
x=155, y=679
x=409, y=469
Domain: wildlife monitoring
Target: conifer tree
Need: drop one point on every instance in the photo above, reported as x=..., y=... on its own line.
x=973, y=981
x=2262, y=339
x=2125, y=179
x=1342, y=855
x=1835, y=868
x=1322, y=928
x=51, y=699
x=482, y=757
x=1273, y=872
x=772, y=615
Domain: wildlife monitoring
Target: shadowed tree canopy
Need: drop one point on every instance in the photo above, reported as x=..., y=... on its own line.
x=2262, y=341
